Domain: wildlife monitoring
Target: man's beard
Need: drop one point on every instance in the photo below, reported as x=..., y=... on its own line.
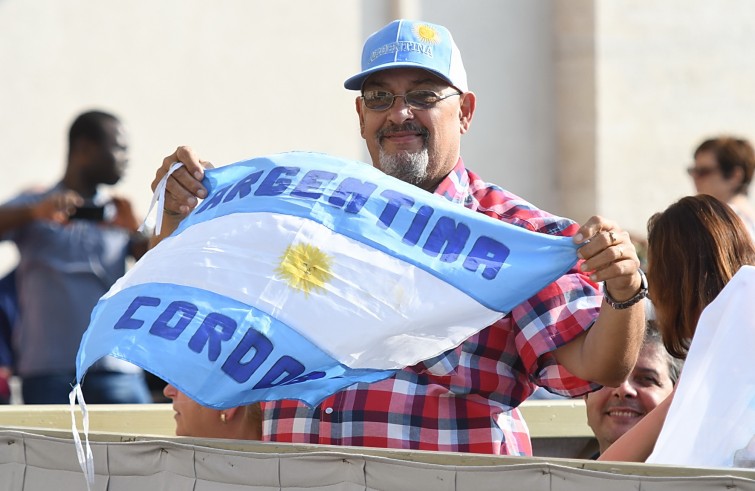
x=409, y=166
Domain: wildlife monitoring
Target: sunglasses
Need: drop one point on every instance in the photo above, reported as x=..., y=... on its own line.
x=702, y=172
x=380, y=100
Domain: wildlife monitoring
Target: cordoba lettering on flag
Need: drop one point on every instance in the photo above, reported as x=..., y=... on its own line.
x=301, y=274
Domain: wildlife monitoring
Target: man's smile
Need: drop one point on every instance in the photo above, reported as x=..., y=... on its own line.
x=403, y=135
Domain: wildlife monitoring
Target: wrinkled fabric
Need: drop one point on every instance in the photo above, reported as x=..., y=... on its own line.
x=301, y=274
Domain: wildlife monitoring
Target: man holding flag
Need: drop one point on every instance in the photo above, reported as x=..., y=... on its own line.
x=413, y=107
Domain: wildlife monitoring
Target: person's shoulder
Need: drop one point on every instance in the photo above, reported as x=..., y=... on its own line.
x=30, y=194
x=501, y=204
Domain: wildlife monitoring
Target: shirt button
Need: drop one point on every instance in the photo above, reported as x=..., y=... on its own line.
x=328, y=410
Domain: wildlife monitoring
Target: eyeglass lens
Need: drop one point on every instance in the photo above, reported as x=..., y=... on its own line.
x=701, y=172
x=379, y=100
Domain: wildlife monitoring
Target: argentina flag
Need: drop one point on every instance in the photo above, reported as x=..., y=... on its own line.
x=301, y=274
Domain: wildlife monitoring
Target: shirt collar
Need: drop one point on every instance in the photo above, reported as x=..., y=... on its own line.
x=455, y=186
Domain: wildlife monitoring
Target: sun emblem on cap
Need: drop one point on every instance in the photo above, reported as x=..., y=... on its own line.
x=427, y=33
x=305, y=268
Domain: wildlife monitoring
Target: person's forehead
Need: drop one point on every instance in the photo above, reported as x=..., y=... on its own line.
x=706, y=157
x=413, y=76
x=115, y=132
x=114, y=127
x=652, y=358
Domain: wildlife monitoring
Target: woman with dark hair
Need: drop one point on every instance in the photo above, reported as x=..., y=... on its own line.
x=724, y=168
x=694, y=248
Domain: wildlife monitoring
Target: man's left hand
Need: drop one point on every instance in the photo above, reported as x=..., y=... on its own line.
x=609, y=256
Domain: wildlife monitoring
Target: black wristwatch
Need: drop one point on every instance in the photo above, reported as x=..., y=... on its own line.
x=642, y=293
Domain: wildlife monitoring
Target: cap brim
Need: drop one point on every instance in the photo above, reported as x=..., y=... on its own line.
x=356, y=82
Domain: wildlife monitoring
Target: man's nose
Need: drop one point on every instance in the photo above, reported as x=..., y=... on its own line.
x=400, y=111
x=169, y=391
x=626, y=389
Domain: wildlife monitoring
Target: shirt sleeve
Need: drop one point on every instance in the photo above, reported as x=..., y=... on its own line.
x=553, y=317
x=558, y=313
x=22, y=199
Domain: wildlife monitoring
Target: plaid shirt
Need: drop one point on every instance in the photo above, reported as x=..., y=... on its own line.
x=463, y=400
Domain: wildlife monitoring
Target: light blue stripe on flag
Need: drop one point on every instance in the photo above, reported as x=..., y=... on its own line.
x=206, y=343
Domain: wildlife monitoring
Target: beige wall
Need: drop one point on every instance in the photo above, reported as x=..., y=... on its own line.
x=234, y=78
x=668, y=74
x=576, y=117
x=584, y=106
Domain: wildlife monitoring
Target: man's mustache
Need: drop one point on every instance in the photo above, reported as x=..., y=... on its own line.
x=396, y=128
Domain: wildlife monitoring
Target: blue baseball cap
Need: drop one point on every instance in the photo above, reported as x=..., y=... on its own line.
x=411, y=44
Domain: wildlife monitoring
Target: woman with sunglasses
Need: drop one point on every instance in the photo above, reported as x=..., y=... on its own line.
x=694, y=248
x=723, y=169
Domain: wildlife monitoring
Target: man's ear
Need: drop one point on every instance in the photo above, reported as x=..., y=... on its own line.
x=230, y=413
x=738, y=174
x=358, y=104
x=466, y=111
x=81, y=151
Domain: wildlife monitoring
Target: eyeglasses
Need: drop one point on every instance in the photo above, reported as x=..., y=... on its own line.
x=380, y=100
x=702, y=172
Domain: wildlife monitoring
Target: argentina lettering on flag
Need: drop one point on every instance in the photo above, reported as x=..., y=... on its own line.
x=301, y=274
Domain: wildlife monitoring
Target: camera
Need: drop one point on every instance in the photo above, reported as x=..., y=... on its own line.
x=89, y=212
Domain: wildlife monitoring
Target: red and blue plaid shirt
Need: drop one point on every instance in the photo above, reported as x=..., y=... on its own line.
x=463, y=400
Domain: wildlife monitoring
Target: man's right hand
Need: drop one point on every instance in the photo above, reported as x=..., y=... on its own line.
x=184, y=187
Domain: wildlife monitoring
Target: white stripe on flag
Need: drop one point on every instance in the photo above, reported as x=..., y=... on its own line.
x=374, y=311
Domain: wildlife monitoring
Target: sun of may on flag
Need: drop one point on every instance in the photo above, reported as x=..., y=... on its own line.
x=301, y=274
